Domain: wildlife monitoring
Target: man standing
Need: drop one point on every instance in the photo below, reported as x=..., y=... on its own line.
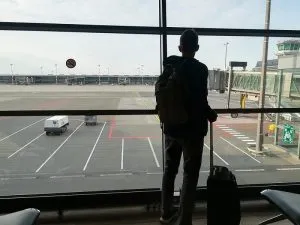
x=186, y=138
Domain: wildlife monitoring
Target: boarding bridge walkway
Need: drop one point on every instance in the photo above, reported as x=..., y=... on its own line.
x=249, y=82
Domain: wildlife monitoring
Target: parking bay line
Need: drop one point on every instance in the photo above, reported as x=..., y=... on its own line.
x=56, y=150
x=248, y=140
x=20, y=149
x=288, y=169
x=240, y=150
x=122, y=154
x=100, y=133
x=153, y=152
x=18, y=131
x=226, y=163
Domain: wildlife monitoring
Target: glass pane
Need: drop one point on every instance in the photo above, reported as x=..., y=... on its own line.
x=104, y=12
x=30, y=69
x=234, y=147
x=216, y=14
x=115, y=153
x=212, y=50
x=284, y=16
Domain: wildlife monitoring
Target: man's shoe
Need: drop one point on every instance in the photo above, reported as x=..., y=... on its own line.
x=169, y=217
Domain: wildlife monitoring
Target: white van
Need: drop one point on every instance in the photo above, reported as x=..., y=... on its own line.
x=56, y=124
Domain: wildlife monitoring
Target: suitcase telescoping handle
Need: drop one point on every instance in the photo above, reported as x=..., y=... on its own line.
x=211, y=147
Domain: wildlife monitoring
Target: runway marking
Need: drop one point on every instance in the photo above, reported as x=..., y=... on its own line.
x=100, y=133
x=18, y=131
x=250, y=170
x=251, y=143
x=157, y=173
x=18, y=178
x=153, y=152
x=234, y=132
x=240, y=149
x=122, y=154
x=249, y=140
x=67, y=176
x=135, y=137
x=243, y=137
x=114, y=174
x=228, y=129
x=239, y=135
x=287, y=169
x=226, y=163
x=225, y=127
x=58, y=148
x=20, y=149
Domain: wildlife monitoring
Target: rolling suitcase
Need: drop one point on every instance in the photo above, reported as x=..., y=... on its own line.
x=223, y=202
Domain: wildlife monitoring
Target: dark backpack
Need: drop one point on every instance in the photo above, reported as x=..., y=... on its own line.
x=171, y=92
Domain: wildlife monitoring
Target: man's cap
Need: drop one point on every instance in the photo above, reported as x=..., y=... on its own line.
x=189, y=40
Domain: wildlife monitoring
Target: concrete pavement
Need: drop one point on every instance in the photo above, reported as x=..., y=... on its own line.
x=120, y=152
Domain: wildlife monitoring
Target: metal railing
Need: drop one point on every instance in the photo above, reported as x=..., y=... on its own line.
x=121, y=112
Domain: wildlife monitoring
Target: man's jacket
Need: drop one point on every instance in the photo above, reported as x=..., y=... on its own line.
x=195, y=76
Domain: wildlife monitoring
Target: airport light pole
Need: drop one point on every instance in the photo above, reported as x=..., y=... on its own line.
x=41, y=70
x=12, y=73
x=99, y=74
x=226, y=44
x=260, y=122
x=142, y=71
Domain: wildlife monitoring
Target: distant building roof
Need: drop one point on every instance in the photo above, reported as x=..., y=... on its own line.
x=294, y=41
x=270, y=63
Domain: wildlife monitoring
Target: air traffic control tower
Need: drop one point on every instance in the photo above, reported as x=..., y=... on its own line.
x=288, y=54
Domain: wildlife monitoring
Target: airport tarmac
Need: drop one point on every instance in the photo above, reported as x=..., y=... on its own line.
x=120, y=152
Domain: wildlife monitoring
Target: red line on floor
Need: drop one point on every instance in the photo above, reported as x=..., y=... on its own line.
x=111, y=127
x=5, y=117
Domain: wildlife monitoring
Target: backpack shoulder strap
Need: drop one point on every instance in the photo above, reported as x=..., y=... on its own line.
x=181, y=78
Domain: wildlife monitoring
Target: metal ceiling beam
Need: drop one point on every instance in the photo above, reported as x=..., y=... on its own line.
x=112, y=29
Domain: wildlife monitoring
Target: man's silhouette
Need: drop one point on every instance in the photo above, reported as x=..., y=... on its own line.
x=186, y=138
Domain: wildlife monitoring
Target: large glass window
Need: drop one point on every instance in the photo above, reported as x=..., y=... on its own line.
x=215, y=13
x=103, y=62
x=118, y=71
x=290, y=12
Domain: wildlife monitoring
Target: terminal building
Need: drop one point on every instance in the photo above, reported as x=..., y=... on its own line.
x=272, y=65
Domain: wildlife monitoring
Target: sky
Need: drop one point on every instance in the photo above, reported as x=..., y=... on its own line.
x=38, y=52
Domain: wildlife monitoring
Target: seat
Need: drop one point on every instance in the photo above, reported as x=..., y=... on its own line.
x=287, y=203
x=23, y=217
